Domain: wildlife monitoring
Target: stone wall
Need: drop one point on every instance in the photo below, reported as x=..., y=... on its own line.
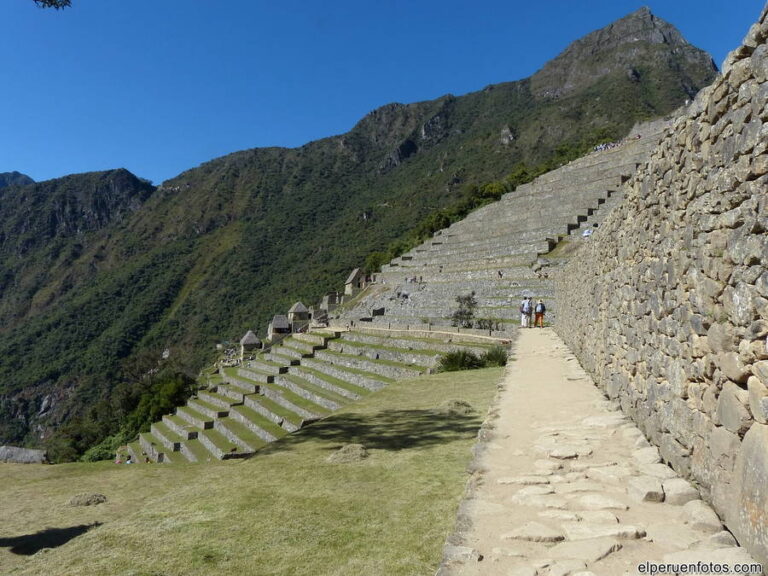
x=667, y=305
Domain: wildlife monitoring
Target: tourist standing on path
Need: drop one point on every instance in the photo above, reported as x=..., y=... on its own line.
x=525, y=313
x=540, y=310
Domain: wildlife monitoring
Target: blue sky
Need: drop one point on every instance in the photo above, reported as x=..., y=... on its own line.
x=159, y=86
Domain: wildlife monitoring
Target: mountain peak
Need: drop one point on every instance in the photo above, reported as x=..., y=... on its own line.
x=624, y=47
x=14, y=179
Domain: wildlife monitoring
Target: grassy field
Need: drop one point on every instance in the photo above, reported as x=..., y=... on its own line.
x=286, y=511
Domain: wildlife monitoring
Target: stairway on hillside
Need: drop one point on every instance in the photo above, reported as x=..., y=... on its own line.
x=496, y=251
x=304, y=378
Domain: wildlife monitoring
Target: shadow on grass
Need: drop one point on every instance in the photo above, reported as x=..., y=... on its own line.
x=29, y=544
x=386, y=430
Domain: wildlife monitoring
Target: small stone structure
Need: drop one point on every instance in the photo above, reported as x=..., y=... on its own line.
x=298, y=316
x=249, y=343
x=279, y=326
x=667, y=305
x=355, y=282
x=15, y=455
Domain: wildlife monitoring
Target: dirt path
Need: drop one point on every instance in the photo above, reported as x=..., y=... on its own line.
x=566, y=485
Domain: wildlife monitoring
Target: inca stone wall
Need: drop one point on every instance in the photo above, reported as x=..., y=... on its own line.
x=667, y=305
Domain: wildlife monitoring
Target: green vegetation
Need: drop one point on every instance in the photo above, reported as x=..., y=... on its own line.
x=284, y=511
x=466, y=360
x=466, y=311
x=99, y=272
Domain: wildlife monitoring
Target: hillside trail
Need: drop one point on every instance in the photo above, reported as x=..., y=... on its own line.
x=565, y=484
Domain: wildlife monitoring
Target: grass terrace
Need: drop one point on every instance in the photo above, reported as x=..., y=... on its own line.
x=286, y=511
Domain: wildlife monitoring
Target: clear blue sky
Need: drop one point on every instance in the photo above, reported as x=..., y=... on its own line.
x=159, y=86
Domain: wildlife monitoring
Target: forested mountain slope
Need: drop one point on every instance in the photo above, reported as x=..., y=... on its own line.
x=100, y=283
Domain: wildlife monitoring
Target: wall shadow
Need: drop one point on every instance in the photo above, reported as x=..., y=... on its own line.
x=29, y=544
x=386, y=430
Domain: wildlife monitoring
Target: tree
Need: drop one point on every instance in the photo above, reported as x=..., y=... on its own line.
x=57, y=4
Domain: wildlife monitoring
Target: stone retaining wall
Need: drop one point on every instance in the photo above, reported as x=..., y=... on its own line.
x=667, y=305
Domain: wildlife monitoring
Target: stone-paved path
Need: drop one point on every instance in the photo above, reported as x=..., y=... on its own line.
x=566, y=485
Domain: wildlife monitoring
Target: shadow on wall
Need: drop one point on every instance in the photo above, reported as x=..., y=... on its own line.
x=387, y=430
x=29, y=544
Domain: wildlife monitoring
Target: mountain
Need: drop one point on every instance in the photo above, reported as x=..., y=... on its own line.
x=101, y=273
x=14, y=179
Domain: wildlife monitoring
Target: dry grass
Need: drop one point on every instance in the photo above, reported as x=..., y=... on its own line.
x=286, y=511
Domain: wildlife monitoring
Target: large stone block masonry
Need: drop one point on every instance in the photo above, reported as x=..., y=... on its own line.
x=667, y=306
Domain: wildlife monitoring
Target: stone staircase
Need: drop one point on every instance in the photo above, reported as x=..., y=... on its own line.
x=400, y=327
x=496, y=252
x=303, y=379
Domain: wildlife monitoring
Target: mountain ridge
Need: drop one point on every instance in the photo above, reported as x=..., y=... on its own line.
x=221, y=247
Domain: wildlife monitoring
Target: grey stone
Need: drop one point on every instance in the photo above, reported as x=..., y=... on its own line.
x=645, y=489
x=547, y=466
x=535, y=532
x=731, y=412
x=453, y=553
x=613, y=420
x=661, y=471
x=589, y=551
x=535, y=490
x=722, y=539
x=581, y=486
x=560, y=515
x=678, y=492
x=700, y=516
x=522, y=570
x=524, y=480
x=588, y=530
x=597, y=516
x=672, y=535
x=733, y=367
x=647, y=455
x=758, y=400
x=597, y=502
x=760, y=369
x=87, y=499
x=506, y=552
x=610, y=475
x=15, y=455
x=539, y=501
x=566, y=567
x=748, y=515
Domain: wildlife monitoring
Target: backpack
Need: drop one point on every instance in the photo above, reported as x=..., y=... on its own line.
x=540, y=308
x=526, y=307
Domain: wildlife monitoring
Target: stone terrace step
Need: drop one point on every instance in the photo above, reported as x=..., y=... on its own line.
x=340, y=387
x=180, y=426
x=385, y=368
x=196, y=451
x=265, y=428
x=170, y=440
x=264, y=366
x=206, y=409
x=304, y=348
x=421, y=357
x=309, y=391
x=239, y=434
x=361, y=378
x=194, y=417
x=219, y=445
x=436, y=344
x=152, y=447
x=256, y=376
x=287, y=419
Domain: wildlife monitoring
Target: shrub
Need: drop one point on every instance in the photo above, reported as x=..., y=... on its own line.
x=496, y=356
x=459, y=360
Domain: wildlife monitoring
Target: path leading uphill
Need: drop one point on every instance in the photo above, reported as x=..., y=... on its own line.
x=567, y=485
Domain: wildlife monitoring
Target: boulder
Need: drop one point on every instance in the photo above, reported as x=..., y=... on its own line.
x=15, y=455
